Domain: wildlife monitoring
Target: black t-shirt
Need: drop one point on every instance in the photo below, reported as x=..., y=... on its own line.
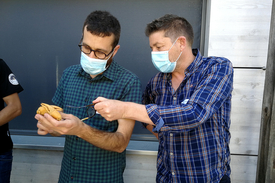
x=8, y=85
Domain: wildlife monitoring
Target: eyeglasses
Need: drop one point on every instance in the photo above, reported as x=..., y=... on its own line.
x=90, y=110
x=87, y=50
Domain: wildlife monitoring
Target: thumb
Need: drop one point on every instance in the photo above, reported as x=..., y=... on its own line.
x=64, y=115
x=68, y=116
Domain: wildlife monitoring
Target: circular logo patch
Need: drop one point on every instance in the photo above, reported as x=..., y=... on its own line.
x=12, y=79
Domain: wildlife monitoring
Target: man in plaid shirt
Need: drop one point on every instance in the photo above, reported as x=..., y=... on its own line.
x=94, y=147
x=186, y=105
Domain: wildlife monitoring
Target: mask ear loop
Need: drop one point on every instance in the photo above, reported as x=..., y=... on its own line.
x=81, y=40
x=172, y=47
x=173, y=44
x=108, y=60
x=178, y=57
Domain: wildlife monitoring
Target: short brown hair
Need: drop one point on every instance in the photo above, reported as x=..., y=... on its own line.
x=174, y=26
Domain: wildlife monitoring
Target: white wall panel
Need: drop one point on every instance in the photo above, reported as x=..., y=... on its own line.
x=239, y=31
x=246, y=110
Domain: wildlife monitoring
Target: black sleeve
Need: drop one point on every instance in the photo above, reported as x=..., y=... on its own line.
x=8, y=82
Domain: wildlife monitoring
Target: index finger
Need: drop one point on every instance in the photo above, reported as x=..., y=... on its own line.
x=45, y=119
x=99, y=99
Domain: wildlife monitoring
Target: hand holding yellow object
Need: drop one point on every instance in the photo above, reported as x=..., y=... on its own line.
x=51, y=110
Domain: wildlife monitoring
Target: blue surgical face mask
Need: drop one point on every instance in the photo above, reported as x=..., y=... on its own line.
x=161, y=60
x=93, y=66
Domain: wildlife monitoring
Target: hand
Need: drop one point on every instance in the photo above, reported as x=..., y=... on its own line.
x=69, y=125
x=41, y=129
x=109, y=109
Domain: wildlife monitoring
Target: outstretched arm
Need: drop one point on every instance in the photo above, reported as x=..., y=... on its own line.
x=71, y=125
x=115, y=109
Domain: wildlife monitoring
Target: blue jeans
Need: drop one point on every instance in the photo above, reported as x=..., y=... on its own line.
x=5, y=166
x=225, y=179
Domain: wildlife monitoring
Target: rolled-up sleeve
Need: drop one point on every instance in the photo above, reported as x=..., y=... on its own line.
x=155, y=117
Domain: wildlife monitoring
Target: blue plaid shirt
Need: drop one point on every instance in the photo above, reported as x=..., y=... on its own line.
x=193, y=121
x=82, y=161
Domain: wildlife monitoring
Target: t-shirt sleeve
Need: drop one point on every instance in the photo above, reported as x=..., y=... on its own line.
x=8, y=82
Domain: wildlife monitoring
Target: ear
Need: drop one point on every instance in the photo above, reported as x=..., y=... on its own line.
x=116, y=49
x=110, y=60
x=183, y=42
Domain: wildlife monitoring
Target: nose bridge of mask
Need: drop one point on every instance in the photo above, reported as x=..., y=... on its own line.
x=160, y=55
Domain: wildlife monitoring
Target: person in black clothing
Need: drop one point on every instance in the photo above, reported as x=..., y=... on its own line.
x=9, y=89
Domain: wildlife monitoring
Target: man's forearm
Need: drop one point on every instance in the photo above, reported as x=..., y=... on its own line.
x=111, y=141
x=136, y=112
x=71, y=125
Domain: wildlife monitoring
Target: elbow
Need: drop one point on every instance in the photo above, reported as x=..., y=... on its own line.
x=120, y=149
x=18, y=111
x=121, y=142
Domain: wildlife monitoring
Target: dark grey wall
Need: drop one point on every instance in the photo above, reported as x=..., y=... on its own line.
x=38, y=40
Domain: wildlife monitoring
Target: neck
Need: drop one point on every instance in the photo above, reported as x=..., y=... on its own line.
x=184, y=61
x=93, y=76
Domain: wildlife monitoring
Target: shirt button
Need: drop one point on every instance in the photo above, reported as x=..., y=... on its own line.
x=171, y=154
x=174, y=98
x=171, y=134
x=173, y=173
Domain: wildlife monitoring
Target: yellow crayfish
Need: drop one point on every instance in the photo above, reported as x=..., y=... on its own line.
x=51, y=110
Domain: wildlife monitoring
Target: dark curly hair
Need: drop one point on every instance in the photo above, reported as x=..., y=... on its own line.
x=173, y=26
x=102, y=23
